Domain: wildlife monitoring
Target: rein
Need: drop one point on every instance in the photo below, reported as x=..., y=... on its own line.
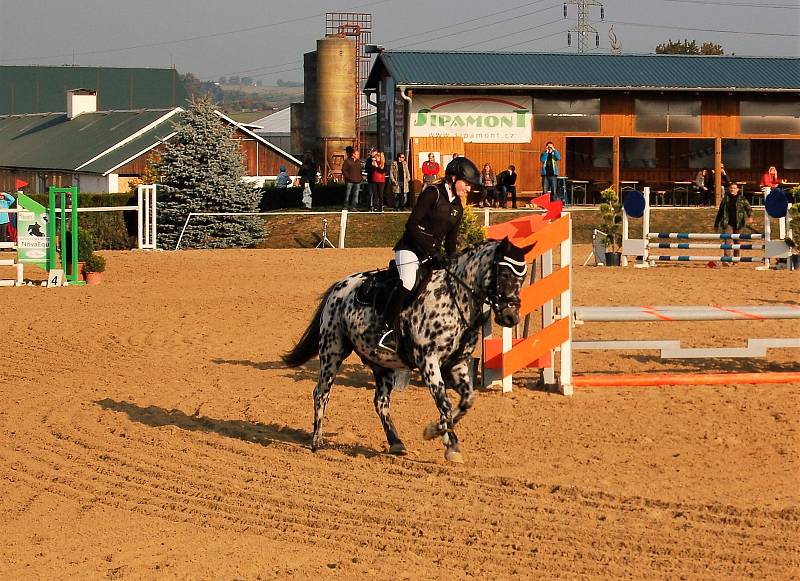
x=519, y=268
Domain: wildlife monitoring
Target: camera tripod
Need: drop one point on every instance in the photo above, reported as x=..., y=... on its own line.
x=325, y=239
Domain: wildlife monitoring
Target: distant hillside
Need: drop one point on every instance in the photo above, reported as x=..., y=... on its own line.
x=241, y=97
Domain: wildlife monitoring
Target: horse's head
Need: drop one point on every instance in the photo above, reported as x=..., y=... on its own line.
x=508, y=274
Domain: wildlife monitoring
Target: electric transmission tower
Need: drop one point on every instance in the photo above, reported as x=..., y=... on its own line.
x=584, y=28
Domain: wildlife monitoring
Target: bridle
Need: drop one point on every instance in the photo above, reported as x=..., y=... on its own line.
x=494, y=298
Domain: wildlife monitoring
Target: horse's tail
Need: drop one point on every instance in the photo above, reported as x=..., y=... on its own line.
x=308, y=345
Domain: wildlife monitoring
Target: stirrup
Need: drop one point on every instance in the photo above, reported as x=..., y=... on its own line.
x=388, y=341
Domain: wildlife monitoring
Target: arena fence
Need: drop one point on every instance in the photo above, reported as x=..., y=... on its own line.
x=502, y=358
x=637, y=205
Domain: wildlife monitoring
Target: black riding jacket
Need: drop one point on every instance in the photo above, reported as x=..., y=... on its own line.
x=433, y=220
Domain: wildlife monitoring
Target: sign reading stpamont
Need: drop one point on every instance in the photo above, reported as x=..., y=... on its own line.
x=489, y=119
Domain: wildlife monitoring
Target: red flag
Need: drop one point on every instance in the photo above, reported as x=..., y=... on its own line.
x=21, y=184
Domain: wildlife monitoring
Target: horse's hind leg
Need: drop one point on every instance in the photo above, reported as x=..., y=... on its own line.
x=331, y=356
x=384, y=382
x=432, y=375
x=461, y=378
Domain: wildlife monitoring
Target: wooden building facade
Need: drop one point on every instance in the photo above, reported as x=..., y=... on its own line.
x=627, y=121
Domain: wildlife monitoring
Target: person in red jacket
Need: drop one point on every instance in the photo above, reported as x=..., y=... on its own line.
x=430, y=170
x=770, y=178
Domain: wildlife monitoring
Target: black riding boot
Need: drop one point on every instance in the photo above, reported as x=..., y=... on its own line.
x=387, y=335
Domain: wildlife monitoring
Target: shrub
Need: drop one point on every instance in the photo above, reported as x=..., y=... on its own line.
x=611, y=219
x=273, y=198
x=793, y=218
x=107, y=228
x=95, y=263
x=470, y=231
x=85, y=246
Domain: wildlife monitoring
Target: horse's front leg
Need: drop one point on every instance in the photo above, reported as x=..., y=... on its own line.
x=331, y=355
x=432, y=374
x=460, y=377
x=384, y=382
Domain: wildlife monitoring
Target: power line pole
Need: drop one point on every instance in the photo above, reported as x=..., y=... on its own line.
x=584, y=28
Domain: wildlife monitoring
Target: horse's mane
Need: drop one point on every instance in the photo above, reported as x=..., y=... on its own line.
x=474, y=248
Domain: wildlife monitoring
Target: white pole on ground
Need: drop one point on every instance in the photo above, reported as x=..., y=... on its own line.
x=486, y=217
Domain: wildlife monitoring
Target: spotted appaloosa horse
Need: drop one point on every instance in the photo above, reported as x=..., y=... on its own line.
x=438, y=333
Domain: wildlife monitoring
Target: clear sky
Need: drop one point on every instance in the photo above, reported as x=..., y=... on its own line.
x=266, y=39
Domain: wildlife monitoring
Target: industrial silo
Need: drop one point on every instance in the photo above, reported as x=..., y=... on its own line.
x=337, y=87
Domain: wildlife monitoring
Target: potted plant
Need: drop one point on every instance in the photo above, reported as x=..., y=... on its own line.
x=611, y=225
x=793, y=239
x=94, y=268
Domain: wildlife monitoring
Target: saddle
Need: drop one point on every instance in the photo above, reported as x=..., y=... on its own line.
x=378, y=284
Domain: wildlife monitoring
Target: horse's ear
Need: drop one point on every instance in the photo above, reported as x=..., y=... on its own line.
x=505, y=244
x=526, y=249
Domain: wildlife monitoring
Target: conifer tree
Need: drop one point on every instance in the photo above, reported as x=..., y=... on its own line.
x=201, y=171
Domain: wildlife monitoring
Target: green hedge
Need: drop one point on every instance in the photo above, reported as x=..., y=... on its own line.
x=287, y=198
x=109, y=232
x=107, y=229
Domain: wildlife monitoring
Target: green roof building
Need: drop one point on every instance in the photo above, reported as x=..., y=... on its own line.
x=624, y=120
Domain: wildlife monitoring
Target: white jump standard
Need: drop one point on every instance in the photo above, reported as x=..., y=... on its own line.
x=637, y=205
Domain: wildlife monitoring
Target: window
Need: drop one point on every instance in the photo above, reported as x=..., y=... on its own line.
x=736, y=153
x=769, y=117
x=661, y=116
x=638, y=153
x=602, y=152
x=701, y=153
x=581, y=115
x=791, y=154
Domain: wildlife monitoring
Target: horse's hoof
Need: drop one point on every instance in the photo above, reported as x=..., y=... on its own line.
x=453, y=456
x=430, y=432
x=398, y=449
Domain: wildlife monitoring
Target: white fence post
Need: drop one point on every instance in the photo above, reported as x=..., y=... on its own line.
x=342, y=228
x=146, y=217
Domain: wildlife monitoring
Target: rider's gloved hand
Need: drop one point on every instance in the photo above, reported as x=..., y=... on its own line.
x=438, y=261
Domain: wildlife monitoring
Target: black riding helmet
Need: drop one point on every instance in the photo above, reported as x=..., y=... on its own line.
x=463, y=169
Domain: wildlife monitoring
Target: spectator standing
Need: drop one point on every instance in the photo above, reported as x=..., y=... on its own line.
x=351, y=171
x=488, y=184
x=388, y=190
x=308, y=177
x=307, y=172
x=283, y=179
x=6, y=201
x=430, y=170
x=724, y=179
x=507, y=183
x=701, y=184
x=377, y=181
x=550, y=158
x=733, y=214
x=400, y=181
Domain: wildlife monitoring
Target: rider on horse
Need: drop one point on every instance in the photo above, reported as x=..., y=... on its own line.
x=434, y=219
